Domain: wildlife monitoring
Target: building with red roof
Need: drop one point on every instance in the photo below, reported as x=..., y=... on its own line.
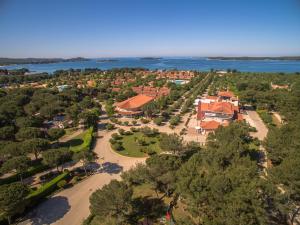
x=133, y=106
x=151, y=91
x=216, y=110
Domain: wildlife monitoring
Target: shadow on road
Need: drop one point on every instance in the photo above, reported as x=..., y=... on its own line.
x=50, y=211
x=111, y=168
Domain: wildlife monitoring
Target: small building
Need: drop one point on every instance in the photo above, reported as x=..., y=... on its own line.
x=133, y=106
x=218, y=111
x=62, y=87
x=209, y=126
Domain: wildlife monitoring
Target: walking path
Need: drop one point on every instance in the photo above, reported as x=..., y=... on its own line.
x=71, y=206
x=255, y=121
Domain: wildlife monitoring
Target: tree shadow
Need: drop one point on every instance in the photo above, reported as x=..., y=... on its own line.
x=74, y=142
x=149, y=208
x=111, y=168
x=50, y=211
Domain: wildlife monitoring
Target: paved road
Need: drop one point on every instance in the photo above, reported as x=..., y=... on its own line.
x=71, y=206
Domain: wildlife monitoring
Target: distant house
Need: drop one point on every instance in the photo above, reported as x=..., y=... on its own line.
x=116, y=89
x=276, y=86
x=91, y=83
x=228, y=96
x=215, y=111
x=133, y=106
x=62, y=87
x=151, y=91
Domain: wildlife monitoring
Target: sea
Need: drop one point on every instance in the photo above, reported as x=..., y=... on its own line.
x=168, y=63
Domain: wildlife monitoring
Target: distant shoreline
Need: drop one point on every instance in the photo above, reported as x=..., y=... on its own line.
x=150, y=58
x=16, y=61
x=107, y=60
x=245, y=58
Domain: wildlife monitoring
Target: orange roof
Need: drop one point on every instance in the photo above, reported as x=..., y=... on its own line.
x=210, y=125
x=135, y=102
x=240, y=117
x=228, y=94
x=212, y=97
x=217, y=107
x=116, y=89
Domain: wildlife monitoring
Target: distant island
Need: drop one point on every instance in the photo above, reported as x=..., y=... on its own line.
x=107, y=60
x=150, y=58
x=257, y=58
x=10, y=61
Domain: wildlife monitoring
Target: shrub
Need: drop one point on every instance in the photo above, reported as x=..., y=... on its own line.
x=121, y=131
x=116, y=136
x=112, y=141
x=158, y=121
x=145, y=121
x=147, y=131
x=75, y=179
x=148, y=151
x=183, y=131
x=114, y=120
x=134, y=122
x=128, y=133
x=252, y=129
x=61, y=184
x=110, y=126
x=175, y=120
x=35, y=196
x=133, y=129
x=117, y=146
x=126, y=123
x=165, y=115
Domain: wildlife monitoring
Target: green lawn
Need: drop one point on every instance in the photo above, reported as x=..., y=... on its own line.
x=133, y=149
x=81, y=141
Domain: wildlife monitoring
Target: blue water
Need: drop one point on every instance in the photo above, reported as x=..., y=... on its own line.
x=187, y=63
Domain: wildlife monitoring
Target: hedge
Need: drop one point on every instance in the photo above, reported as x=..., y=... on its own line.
x=30, y=172
x=87, y=141
x=46, y=189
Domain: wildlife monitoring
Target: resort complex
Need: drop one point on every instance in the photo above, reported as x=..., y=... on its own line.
x=150, y=112
x=64, y=133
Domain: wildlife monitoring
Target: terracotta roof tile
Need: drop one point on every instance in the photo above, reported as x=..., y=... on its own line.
x=210, y=125
x=228, y=94
x=135, y=102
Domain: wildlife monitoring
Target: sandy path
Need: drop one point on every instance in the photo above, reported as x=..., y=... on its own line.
x=254, y=120
x=71, y=206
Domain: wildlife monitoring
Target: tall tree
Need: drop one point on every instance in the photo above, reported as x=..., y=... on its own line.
x=171, y=142
x=19, y=164
x=56, y=157
x=56, y=133
x=113, y=200
x=84, y=157
x=12, y=199
x=35, y=146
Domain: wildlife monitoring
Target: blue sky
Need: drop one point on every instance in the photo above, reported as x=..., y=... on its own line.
x=108, y=28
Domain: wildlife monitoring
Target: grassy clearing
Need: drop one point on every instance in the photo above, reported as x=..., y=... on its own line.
x=266, y=118
x=81, y=142
x=132, y=148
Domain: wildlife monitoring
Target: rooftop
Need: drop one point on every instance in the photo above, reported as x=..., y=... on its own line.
x=135, y=102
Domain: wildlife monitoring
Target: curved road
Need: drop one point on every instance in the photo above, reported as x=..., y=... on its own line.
x=71, y=206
